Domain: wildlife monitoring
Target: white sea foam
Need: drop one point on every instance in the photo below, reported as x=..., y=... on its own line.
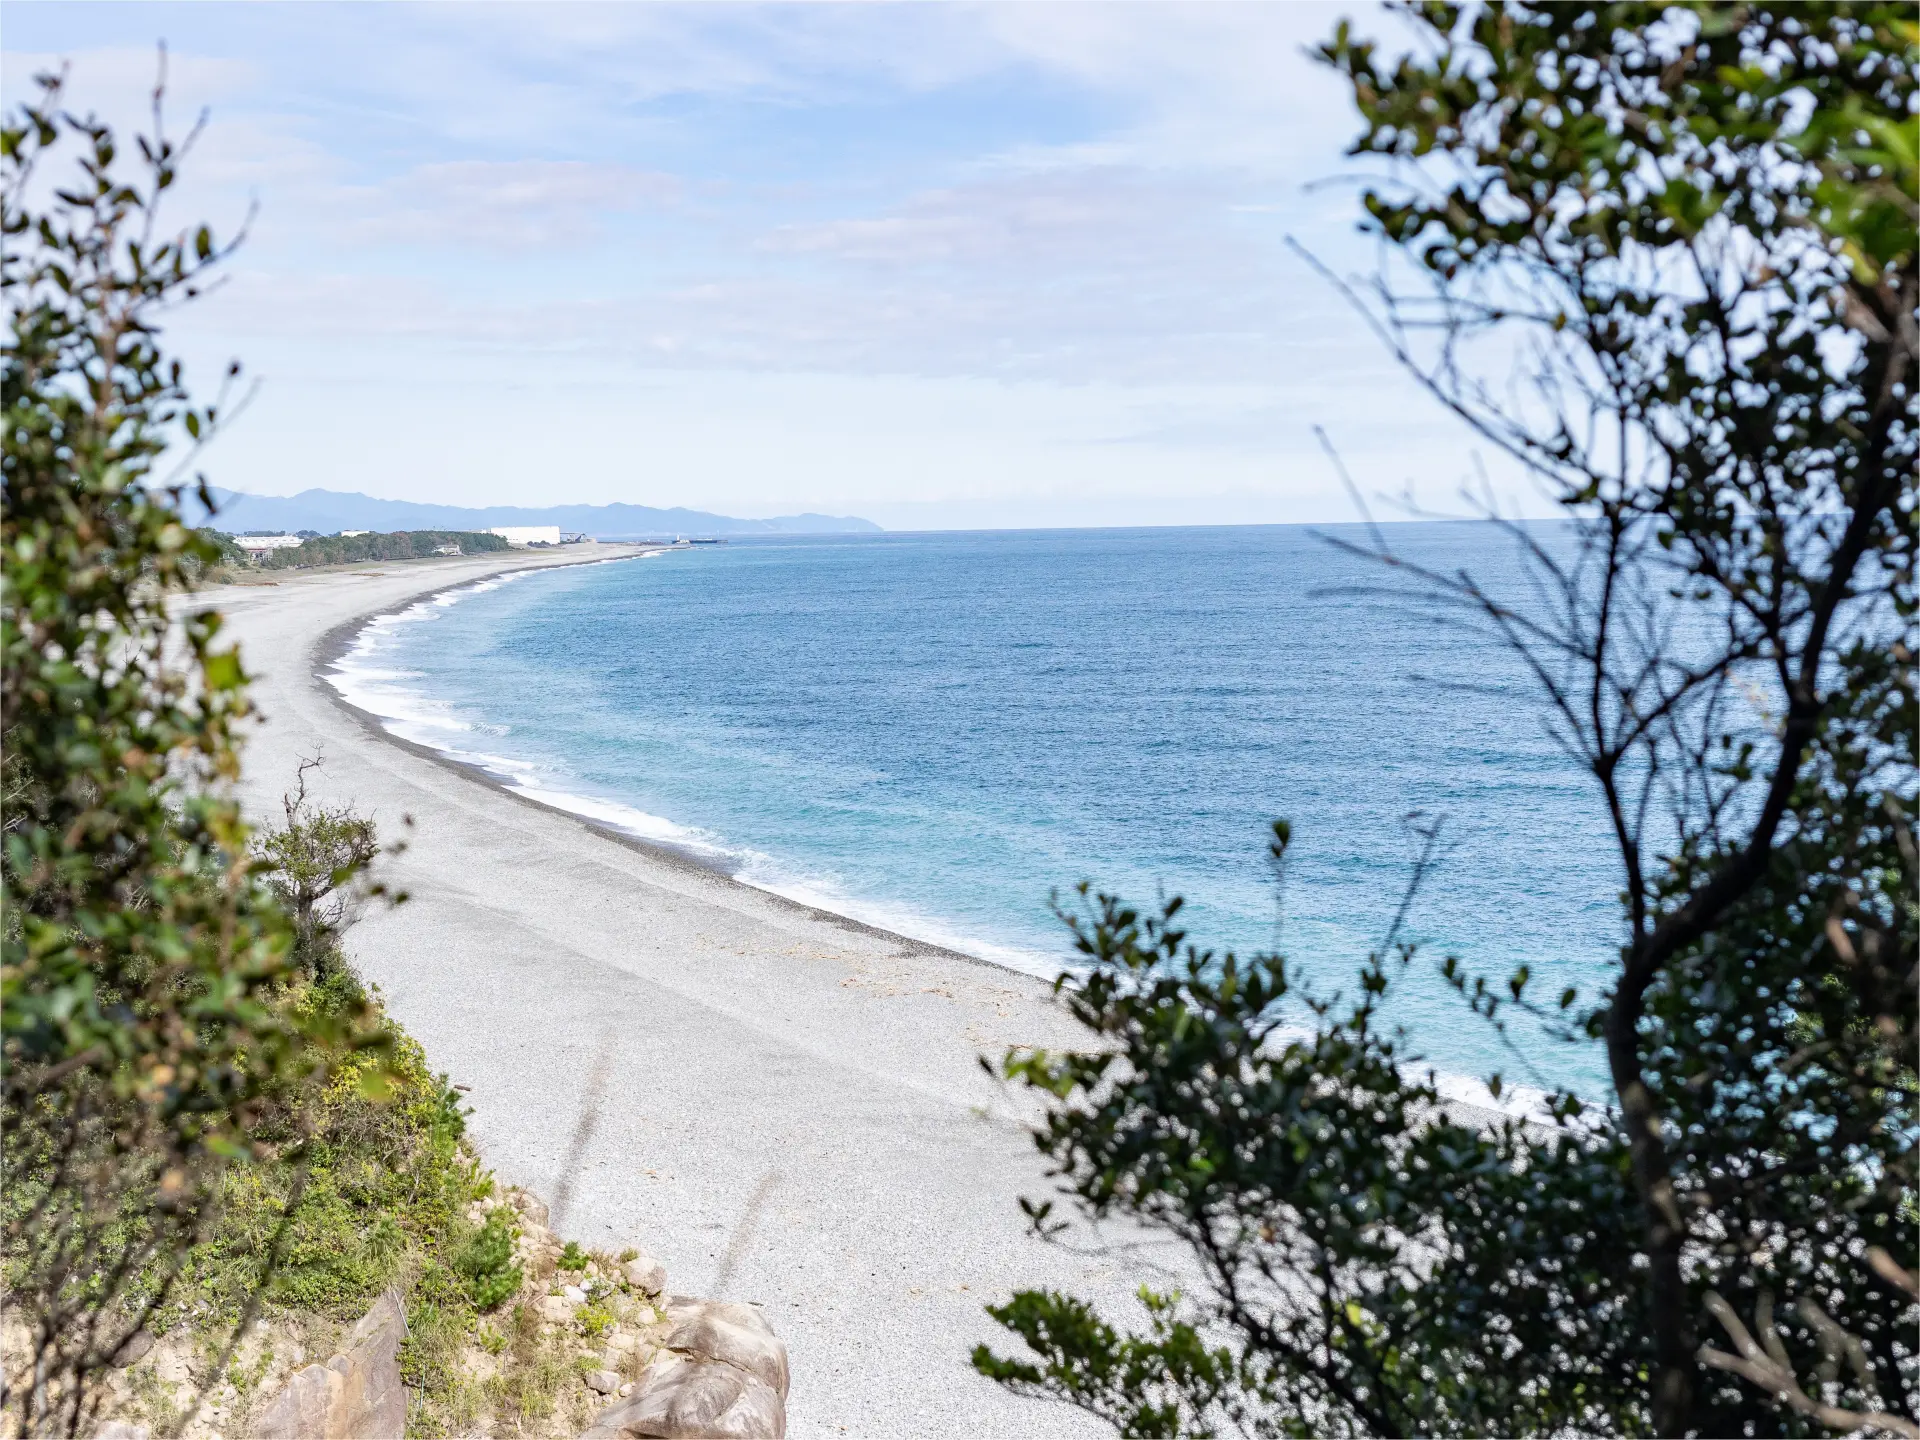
x=818, y=894
x=390, y=694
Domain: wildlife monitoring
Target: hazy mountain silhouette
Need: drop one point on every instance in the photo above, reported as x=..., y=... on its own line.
x=330, y=510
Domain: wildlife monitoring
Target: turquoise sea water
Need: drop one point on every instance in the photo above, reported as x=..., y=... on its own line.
x=935, y=732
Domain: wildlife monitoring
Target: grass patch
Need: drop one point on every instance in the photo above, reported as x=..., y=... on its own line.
x=359, y=1183
x=367, y=1183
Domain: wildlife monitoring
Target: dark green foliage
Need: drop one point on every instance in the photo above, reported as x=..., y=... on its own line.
x=204, y=1117
x=1357, y=1243
x=572, y=1257
x=145, y=1021
x=487, y=1263
x=1167, y=1383
x=360, y=549
x=1698, y=226
x=359, y=1178
x=127, y=883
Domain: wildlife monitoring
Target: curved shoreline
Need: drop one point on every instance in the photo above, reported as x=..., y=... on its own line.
x=333, y=644
x=1468, y=1103
x=785, y=1106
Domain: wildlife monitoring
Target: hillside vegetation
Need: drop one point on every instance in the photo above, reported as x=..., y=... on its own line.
x=359, y=549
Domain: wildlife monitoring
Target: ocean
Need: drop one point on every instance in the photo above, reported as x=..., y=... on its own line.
x=942, y=733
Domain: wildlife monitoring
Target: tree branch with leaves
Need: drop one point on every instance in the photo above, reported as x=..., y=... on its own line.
x=1687, y=234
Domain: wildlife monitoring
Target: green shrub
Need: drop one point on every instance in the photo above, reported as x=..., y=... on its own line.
x=487, y=1262
x=598, y=1315
x=572, y=1257
x=142, y=1038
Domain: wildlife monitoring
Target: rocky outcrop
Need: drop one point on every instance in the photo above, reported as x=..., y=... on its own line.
x=721, y=1374
x=648, y=1363
x=357, y=1395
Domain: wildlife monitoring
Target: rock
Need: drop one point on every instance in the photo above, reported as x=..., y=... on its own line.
x=645, y=1274
x=604, y=1381
x=694, y=1401
x=724, y=1377
x=357, y=1395
x=305, y=1408
x=532, y=1207
x=132, y=1350
x=575, y=1295
x=733, y=1335
x=121, y=1429
x=556, y=1309
x=376, y=1398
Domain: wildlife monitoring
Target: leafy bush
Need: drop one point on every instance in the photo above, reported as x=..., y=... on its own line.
x=572, y=1257
x=487, y=1262
x=317, y=863
x=143, y=962
x=1697, y=225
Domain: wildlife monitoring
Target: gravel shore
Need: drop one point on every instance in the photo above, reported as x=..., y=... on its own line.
x=784, y=1106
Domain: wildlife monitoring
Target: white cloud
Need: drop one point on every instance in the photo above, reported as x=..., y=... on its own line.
x=1043, y=240
x=1039, y=220
x=523, y=205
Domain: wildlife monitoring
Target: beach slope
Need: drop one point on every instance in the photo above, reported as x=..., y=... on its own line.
x=787, y=1108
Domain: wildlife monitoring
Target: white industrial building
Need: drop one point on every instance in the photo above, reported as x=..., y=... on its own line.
x=527, y=534
x=260, y=544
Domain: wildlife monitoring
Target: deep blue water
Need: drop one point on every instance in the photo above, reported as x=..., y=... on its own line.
x=935, y=732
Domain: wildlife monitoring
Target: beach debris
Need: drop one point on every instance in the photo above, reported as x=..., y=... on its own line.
x=722, y=1373
x=356, y=1395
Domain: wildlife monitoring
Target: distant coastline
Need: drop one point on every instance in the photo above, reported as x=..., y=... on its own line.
x=329, y=511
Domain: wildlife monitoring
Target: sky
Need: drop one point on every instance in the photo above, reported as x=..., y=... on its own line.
x=939, y=266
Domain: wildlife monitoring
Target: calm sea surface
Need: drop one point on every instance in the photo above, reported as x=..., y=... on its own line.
x=936, y=732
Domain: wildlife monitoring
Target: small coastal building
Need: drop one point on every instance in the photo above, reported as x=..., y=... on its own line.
x=527, y=534
x=260, y=544
x=349, y=534
x=448, y=549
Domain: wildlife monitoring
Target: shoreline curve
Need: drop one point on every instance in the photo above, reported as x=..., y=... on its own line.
x=335, y=642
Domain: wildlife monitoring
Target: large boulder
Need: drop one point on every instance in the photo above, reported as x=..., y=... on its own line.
x=722, y=1375
x=718, y=1333
x=357, y=1395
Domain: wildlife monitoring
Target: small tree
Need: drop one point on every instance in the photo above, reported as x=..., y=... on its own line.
x=1698, y=227
x=317, y=863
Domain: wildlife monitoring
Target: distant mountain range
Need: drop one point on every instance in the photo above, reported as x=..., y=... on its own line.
x=331, y=510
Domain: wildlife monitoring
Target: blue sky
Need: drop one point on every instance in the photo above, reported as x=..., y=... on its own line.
x=937, y=265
